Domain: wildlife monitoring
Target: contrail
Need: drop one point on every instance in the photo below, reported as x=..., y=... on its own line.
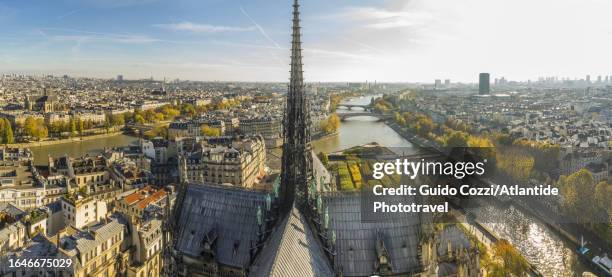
x=261, y=30
x=68, y=14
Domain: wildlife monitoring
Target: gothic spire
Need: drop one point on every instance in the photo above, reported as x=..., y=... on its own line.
x=297, y=160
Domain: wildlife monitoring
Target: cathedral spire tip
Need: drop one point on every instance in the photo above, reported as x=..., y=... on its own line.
x=296, y=168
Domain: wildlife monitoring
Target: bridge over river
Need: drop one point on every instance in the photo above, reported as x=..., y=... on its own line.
x=365, y=107
x=381, y=117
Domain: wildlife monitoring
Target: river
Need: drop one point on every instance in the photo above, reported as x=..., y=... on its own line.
x=361, y=130
x=77, y=149
x=541, y=247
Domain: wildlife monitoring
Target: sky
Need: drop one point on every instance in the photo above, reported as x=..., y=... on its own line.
x=343, y=40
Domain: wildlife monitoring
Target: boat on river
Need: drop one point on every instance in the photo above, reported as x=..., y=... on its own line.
x=601, y=263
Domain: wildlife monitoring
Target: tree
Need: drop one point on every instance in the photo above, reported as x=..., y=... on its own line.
x=118, y=119
x=2, y=130
x=56, y=127
x=481, y=146
x=408, y=117
x=8, y=133
x=424, y=125
x=201, y=109
x=503, y=139
x=80, y=125
x=382, y=106
x=159, y=117
x=107, y=125
x=170, y=112
x=35, y=127
x=603, y=194
x=160, y=131
x=578, y=195
x=457, y=139
x=73, y=127
x=334, y=100
x=324, y=159
x=603, y=200
x=149, y=116
x=139, y=119
x=545, y=154
x=331, y=124
x=42, y=132
x=515, y=164
x=511, y=261
x=399, y=119
x=188, y=110
x=87, y=124
x=210, y=131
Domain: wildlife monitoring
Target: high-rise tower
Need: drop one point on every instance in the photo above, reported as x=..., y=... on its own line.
x=296, y=167
x=483, y=84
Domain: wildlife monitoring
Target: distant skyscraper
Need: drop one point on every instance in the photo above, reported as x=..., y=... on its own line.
x=447, y=82
x=484, y=83
x=599, y=79
x=119, y=78
x=588, y=78
x=438, y=83
x=502, y=81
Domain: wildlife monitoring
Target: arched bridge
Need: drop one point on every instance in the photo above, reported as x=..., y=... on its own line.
x=138, y=128
x=381, y=117
x=365, y=107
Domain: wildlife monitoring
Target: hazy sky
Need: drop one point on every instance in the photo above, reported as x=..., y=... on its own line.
x=344, y=40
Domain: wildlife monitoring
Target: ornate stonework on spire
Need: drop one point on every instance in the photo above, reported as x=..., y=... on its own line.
x=296, y=167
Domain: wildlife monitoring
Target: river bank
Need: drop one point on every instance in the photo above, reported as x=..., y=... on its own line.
x=483, y=234
x=322, y=136
x=67, y=140
x=557, y=230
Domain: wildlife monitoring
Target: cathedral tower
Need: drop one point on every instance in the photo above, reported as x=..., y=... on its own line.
x=296, y=167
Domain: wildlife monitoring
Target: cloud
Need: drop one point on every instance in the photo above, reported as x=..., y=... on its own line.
x=382, y=18
x=202, y=28
x=80, y=36
x=112, y=4
x=127, y=39
x=203, y=64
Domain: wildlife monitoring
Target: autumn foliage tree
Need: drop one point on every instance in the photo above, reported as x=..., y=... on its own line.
x=457, y=139
x=423, y=125
x=578, y=191
x=515, y=164
x=6, y=131
x=545, y=154
x=331, y=124
x=35, y=127
x=210, y=131
x=507, y=260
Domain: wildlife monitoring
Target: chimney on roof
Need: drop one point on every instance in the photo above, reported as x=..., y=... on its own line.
x=57, y=245
x=51, y=162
